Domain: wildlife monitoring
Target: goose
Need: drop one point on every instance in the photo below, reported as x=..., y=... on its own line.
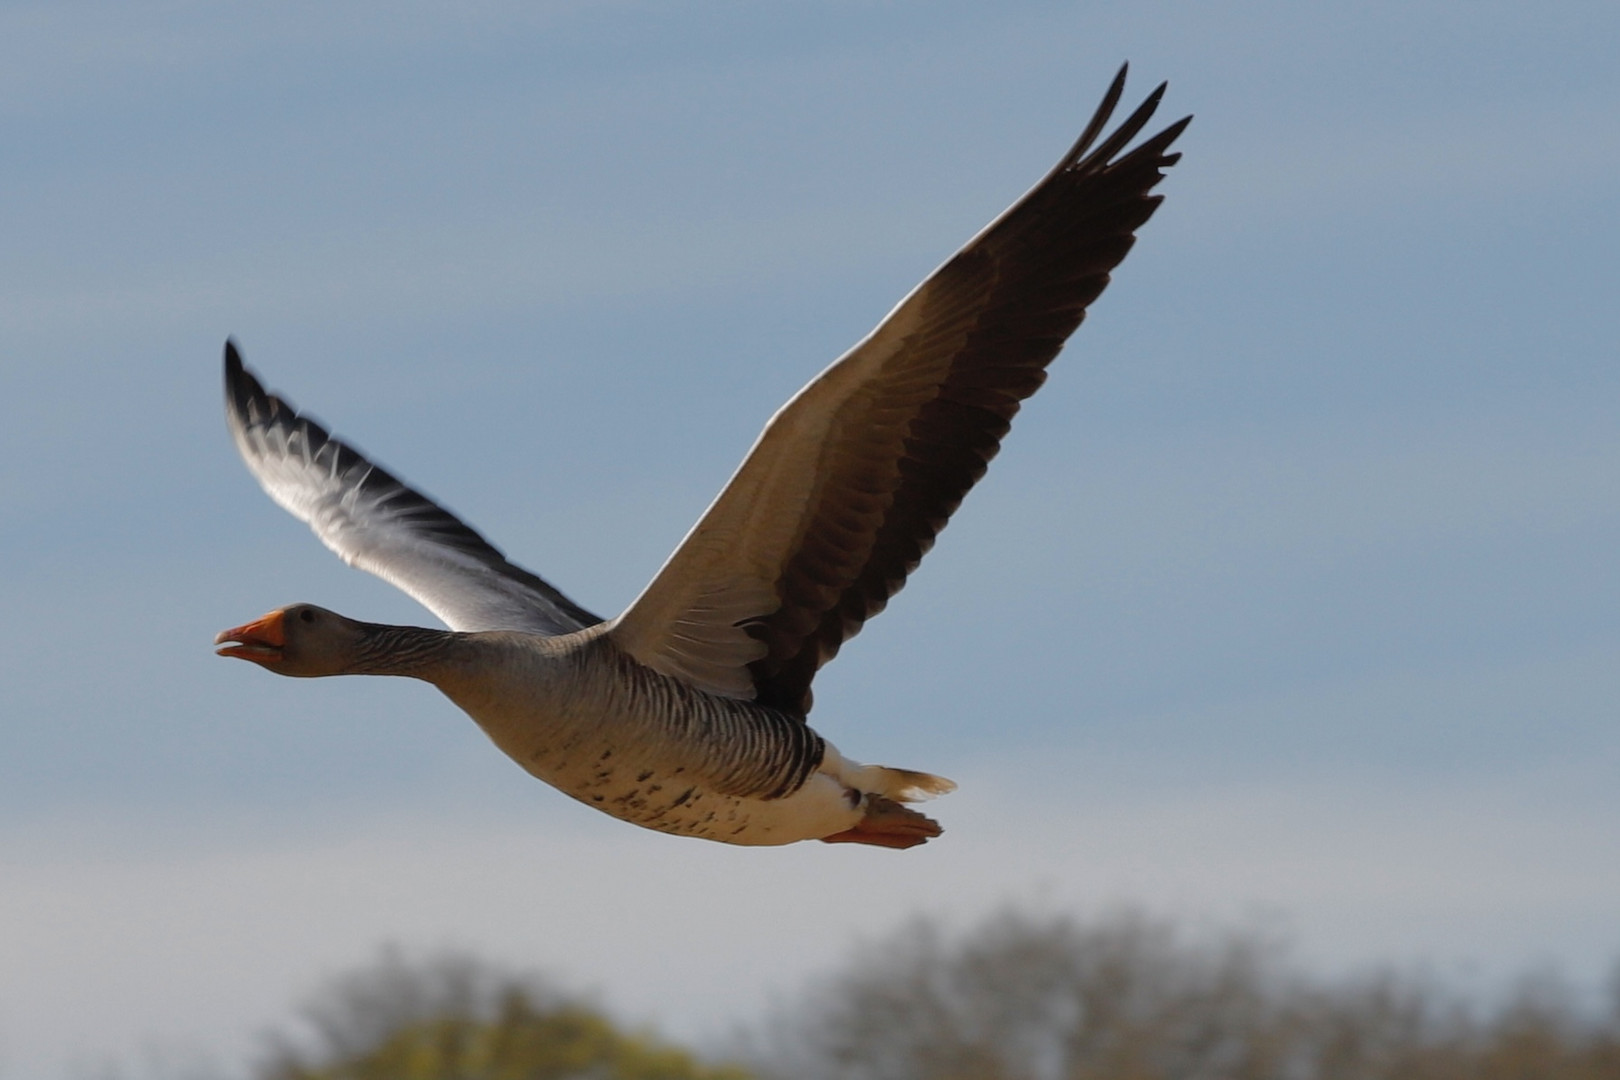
x=687, y=713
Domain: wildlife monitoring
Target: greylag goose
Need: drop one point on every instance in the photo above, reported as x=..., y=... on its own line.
x=687, y=712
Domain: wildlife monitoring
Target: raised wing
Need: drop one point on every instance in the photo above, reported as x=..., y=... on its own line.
x=378, y=524
x=851, y=481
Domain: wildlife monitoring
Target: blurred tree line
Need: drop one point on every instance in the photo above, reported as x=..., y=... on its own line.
x=1023, y=997
x=1016, y=997
x=459, y=1018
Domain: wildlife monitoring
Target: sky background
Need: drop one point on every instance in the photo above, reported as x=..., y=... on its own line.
x=1292, y=601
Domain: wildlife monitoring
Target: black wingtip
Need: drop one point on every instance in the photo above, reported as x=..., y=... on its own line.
x=236, y=375
x=1095, y=125
x=245, y=396
x=1127, y=131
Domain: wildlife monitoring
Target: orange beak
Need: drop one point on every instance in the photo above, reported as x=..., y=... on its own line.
x=260, y=641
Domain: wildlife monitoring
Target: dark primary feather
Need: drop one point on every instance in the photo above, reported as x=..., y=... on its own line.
x=376, y=522
x=1004, y=305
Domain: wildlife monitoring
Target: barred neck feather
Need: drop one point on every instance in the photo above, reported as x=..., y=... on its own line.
x=413, y=651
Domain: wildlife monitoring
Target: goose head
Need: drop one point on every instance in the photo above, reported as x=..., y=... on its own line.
x=302, y=640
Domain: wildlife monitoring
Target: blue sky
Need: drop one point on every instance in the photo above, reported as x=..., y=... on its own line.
x=1292, y=598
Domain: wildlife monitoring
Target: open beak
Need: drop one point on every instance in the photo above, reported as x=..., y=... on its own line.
x=261, y=641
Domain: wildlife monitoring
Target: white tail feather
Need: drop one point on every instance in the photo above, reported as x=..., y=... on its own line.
x=901, y=785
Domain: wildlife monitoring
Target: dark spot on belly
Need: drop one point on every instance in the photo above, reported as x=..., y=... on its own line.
x=605, y=755
x=641, y=778
x=597, y=798
x=853, y=796
x=680, y=800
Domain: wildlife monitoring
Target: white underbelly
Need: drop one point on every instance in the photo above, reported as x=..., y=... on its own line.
x=672, y=803
x=591, y=763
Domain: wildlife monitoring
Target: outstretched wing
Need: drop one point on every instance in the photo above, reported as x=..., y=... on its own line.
x=851, y=481
x=378, y=524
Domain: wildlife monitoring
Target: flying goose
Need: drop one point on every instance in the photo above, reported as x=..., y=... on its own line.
x=687, y=712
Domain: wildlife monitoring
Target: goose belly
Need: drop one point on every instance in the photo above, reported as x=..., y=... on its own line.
x=674, y=802
x=670, y=770
x=677, y=799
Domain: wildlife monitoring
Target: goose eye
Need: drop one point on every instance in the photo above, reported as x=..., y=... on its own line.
x=307, y=615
